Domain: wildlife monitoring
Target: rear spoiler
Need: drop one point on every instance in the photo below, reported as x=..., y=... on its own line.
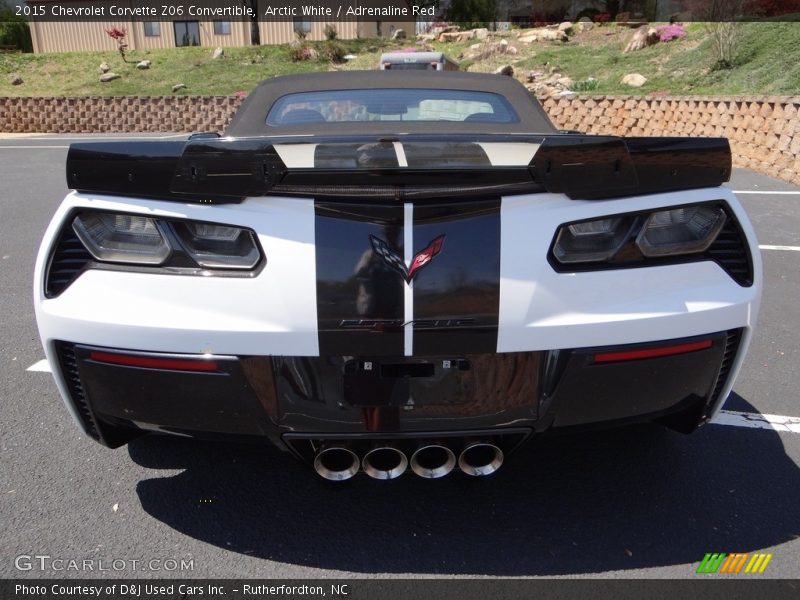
x=210, y=169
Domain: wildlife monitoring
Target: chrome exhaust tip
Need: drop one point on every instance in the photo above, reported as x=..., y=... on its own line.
x=432, y=461
x=480, y=459
x=384, y=462
x=336, y=463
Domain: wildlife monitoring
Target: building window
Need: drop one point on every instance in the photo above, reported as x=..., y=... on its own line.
x=187, y=33
x=222, y=27
x=302, y=26
x=152, y=28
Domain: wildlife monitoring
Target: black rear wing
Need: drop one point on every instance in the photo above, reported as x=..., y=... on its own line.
x=211, y=169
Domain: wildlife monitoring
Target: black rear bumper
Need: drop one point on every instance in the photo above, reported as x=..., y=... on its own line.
x=379, y=398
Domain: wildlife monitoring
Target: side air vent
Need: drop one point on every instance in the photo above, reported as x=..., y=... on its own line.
x=69, y=367
x=731, y=253
x=732, y=341
x=68, y=260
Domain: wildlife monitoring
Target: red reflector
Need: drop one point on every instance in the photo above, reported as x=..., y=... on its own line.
x=606, y=357
x=150, y=362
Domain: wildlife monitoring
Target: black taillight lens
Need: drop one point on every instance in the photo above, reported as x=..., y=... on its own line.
x=125, y=242
x=705, y=231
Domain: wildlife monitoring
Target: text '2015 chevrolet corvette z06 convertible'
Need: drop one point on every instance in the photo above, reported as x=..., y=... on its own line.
x=383, y=271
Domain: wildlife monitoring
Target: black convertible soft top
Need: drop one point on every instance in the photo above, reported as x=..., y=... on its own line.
x=394, y=161
x=250, y=119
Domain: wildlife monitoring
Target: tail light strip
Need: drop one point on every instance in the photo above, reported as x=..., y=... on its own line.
x=151, y=362
x=624, y=355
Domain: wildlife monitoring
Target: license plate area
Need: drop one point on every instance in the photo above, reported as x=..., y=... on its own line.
x=407, y=370
x=407, y=382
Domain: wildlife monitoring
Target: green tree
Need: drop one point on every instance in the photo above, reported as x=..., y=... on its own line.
x=14, y=30
x=472, y=13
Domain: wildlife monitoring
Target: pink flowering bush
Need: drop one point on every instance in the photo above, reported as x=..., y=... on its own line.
x=675, y=31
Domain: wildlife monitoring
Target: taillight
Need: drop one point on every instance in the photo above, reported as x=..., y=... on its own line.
x=591, y=241
x=122, y=238
x=218, y=246
x=707, y=231
x=680, y=230
x=122, y=241
x=655, y=352
x=155, y=361
x=155, y=242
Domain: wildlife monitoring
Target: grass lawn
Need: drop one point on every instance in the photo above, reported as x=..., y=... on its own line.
x=767, y=61
x=77, y=74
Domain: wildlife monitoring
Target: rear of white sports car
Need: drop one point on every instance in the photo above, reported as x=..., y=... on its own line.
x=381, y=282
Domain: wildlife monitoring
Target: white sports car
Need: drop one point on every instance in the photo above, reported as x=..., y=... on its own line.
x=387, y=270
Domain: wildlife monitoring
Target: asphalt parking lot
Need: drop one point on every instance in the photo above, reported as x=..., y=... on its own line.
x=636, y=502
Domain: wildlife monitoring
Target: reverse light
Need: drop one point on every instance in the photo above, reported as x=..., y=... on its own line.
x=680, y=231
x=218, y=246
x=591, y=241
x=122, y=238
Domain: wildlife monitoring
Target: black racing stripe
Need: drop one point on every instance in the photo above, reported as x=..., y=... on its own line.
x=457, y=293
x=359, y=295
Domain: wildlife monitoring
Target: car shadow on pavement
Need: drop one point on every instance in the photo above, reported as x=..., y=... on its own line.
x=621, y=499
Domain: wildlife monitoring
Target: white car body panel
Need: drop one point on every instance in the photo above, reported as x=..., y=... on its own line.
x=275, y=312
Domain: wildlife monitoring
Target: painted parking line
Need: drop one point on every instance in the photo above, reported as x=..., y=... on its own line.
x=757, y=421
x=40, y=367
x=768, y=193
x=23, y=147
x=788, y=248
x=36, y=138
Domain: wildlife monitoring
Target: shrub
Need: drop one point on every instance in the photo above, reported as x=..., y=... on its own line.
x=333, y=52
x=301, y=53
x=724, y=41
x=667, y=33
x=119, y=35
x=587, y=85
x=719, y=23
x=470, y=14
x=14, y=30
x=331, y=33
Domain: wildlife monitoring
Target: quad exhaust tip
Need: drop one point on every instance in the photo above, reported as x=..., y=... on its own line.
x=336, y=463
x=480, y=459
x=384, y=462
x=433, y=461
x=430, y=461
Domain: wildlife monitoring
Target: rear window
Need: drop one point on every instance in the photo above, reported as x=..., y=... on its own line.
x=337, y=106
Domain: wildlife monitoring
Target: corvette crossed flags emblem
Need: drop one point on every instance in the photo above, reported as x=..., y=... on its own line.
x=391, y=258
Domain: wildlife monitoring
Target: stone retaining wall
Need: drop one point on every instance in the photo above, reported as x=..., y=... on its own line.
x=97, y=114
x=764, y=131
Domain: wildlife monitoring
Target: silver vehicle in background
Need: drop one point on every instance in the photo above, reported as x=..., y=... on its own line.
x=417, y=61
